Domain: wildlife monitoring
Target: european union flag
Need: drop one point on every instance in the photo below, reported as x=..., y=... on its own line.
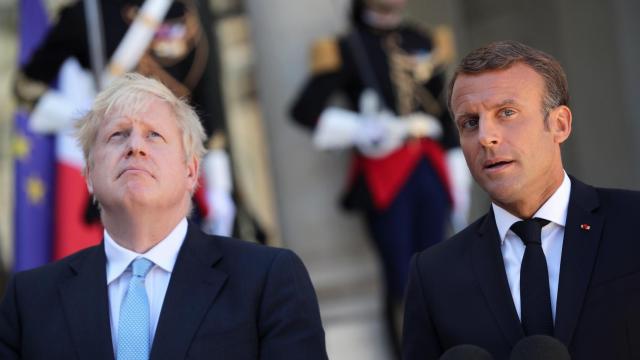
x=34, y=162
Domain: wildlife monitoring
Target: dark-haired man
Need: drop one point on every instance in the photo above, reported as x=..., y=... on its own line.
x=552, y=256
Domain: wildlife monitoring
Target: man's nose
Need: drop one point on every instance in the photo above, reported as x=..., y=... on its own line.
x=136, y=145
x=488, y=132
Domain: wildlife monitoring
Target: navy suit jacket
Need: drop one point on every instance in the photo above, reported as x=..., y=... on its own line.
x=458, y=290
x=227, y=299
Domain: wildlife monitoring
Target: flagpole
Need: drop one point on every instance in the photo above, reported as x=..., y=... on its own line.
x=95, y=30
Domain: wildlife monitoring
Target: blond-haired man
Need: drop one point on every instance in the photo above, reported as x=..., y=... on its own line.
x=157, y=287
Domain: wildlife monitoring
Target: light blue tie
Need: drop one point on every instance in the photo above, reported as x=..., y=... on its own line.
x=133, y=326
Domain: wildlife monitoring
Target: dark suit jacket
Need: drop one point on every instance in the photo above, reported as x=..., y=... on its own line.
x=227, y=299
x=458, y=291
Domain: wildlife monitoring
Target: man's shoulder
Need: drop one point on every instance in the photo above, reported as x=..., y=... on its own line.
x=238, y=247
x=606, y=201
x=620, y=207
x=59, y=269
x=454, y=249
x=619, y=198
x=245, y=256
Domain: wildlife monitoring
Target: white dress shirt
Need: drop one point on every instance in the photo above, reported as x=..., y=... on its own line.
x=163, y=256
x=554, y=210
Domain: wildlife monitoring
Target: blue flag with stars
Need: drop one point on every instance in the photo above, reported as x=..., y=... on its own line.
x=34, y=162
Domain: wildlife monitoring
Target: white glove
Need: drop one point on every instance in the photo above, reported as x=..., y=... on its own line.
x=384, y=133
x=460, y=179
x=380, y=135
x=57, y=110
x=374, y=131
x=336, y=129
x=368, y=130
x=375, y=137
x=216, y=170
x=52, y=113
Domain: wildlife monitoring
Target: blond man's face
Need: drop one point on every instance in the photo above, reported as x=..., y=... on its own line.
x=138, y=162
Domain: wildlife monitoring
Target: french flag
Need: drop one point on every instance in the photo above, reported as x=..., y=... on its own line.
x=72, y=232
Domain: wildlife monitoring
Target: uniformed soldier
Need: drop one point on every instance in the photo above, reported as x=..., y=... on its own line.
x=407, y=168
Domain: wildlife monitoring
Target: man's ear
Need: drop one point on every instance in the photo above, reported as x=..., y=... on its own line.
x=87, y=179
x=192, y=173
x=560, y=123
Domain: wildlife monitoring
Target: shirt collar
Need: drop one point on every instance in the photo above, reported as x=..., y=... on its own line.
x=554, y=210
x=164, y=254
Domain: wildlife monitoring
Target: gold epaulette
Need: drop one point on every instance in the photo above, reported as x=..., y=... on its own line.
x=444, y=45
x=325, y=56
x=28, y=90
x=443, y=40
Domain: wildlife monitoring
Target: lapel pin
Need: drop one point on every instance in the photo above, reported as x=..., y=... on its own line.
x=586, y=227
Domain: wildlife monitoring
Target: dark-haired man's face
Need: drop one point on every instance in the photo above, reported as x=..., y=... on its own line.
x=510, y=152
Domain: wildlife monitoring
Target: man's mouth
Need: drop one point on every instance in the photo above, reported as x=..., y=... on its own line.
x=133, y=170
x=496, y=164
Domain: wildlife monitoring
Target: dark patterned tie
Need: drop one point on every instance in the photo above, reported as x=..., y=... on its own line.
x=535, y=298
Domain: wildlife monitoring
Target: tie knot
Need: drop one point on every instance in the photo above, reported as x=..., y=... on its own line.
x=529, y=230
x=141, y=266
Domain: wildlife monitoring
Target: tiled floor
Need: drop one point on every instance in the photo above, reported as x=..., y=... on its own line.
x=350, y=304
x=359, y=334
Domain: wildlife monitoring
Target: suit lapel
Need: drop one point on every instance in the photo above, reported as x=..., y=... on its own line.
x=579, y=252
x=489, y=267
x=192, y=289
x=86, y=306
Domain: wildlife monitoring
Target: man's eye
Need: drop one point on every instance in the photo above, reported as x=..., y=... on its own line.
x=508, y=112
x=116, y=134
x=155, y=134
x=470, y=123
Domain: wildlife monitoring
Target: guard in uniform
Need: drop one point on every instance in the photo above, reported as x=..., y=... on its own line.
x=181, y=54
x=404, y=142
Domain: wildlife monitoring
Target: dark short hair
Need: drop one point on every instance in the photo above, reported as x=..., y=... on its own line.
x=501, y=55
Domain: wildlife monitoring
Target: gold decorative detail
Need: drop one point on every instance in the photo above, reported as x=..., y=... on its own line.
x=325, y=56
x=173, y=47
x=423, y=68
x=148, y=21
x=35, y=189
x=28, y=90
x=149, y=66
x=177, y=37
x=408, y=73
x=444, y=44
x=401, y=71
x=21, y=147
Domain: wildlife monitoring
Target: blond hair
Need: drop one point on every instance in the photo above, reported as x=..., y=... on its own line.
x=131, y=94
